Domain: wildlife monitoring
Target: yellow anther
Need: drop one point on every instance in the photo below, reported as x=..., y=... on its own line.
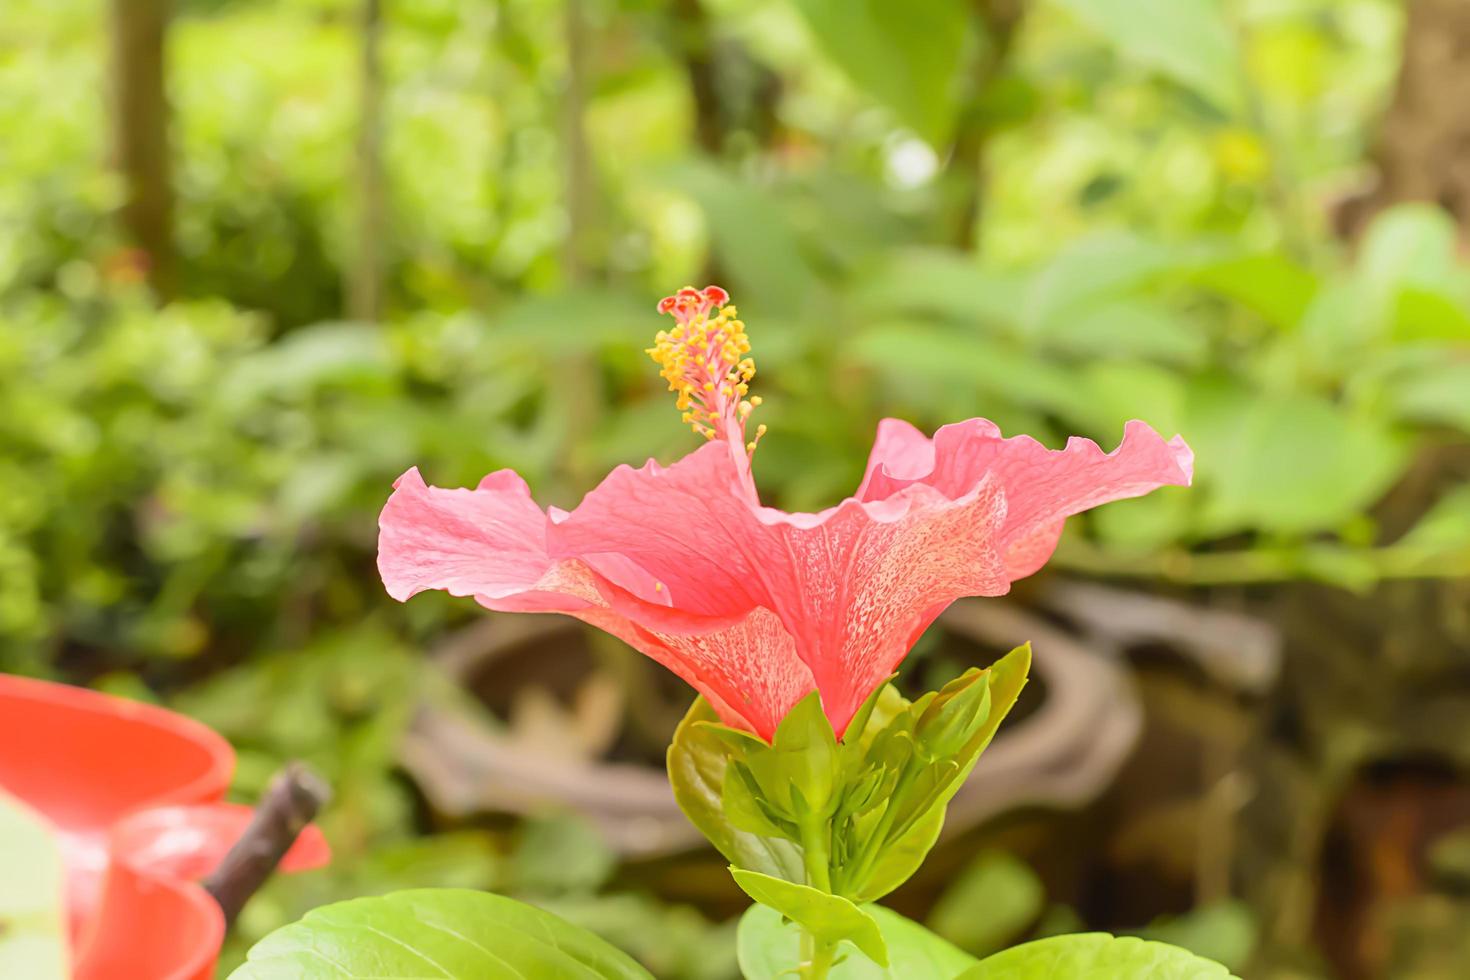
x=703, y=359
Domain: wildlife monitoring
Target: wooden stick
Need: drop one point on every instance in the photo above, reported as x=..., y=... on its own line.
x=290, y=803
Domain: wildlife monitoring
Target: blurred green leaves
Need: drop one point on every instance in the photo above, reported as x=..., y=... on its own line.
x=906, y=55
x=1189, y=41
x=1288, y=463
x=1226, y=932
x=989, y=903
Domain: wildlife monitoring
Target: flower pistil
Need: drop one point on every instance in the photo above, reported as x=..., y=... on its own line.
x=705, y=359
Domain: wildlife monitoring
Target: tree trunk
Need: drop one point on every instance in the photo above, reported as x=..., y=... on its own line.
x=696, y=45
x=965, y=173
x=580, y=190
x=140, y=120
x=365, y=270
x=1423, y=147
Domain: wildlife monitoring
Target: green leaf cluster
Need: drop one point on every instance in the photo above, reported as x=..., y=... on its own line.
x=456, y=934
x=852, y=817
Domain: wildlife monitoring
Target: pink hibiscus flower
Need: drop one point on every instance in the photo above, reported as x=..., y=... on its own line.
x=752, y=606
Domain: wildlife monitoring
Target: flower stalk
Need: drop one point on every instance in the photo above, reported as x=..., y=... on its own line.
x=817, y=954
x=817, y=957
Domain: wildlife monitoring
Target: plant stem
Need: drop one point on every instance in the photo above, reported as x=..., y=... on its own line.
x=816, y=954
x=816, y=957
x=816, y=855
x=292, y=800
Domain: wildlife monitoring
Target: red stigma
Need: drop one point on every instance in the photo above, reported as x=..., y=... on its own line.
x=689, y=302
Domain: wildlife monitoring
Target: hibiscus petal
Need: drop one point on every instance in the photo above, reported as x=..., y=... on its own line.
x=900, y=452
x=1043, y=487
x=869, y=578
x=751, y=667
x=753, y=606
x=852, y=585
x=691, y=526
x=490, y=543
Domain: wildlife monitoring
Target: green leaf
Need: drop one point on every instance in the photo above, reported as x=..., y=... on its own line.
x=1437, y=312
x=906, y=55
x=881, y=707
x=830, y=918
x=321, y=355
x=946, y=724
x=1126, y=328
x=1119, y=391
x=1445, y=527
x=947, y=358
x=1094, y=956
x=1006, y=677
x=1187, y=40
x=746, y=806
x=1411, y=244
x=1146, y=523
x=1437, y=393
x=753, y=238
x=1339, y=327
x=804, y=757
x=1098, y=268
x=33, y=941
x=1224, y=931
x=557, y=853
x=1413, y=285
x=989, y=904
x=770, y=948
x=1292, y=463
x=942, y=283
x=901, y=857
x=584, y=319
x=697, y=759
x=452, y=933
x=1273, y=286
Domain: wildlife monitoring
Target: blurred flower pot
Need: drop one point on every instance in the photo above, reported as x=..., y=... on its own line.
x=134, y=795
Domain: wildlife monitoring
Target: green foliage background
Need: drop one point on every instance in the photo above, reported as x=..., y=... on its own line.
x=190, y=491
